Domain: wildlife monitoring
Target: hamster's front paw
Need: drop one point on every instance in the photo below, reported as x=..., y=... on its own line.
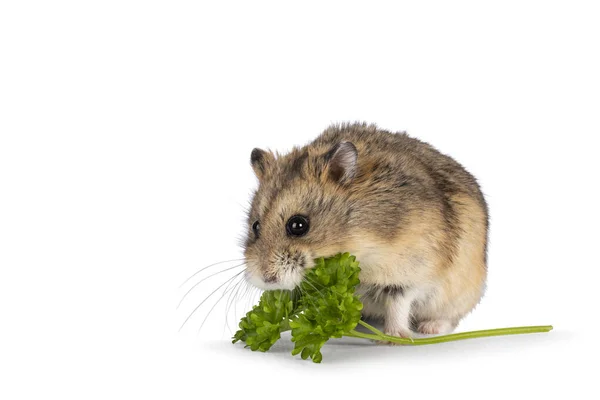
x=396, y=331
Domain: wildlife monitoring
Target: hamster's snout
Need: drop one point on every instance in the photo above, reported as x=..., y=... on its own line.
x=282, y=270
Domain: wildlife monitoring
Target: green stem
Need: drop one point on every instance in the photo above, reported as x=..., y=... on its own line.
x=361, y=335
x=370, y=327
x=378, y=335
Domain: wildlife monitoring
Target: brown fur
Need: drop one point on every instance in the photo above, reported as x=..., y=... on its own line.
x=415, y=218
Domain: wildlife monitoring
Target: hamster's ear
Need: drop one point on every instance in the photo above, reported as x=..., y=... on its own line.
x=342, y=162
x=260, y=160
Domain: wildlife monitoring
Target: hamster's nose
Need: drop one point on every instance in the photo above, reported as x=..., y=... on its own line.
x=269, y=278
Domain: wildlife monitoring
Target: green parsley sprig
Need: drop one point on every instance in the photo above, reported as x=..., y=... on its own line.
x=325, y=306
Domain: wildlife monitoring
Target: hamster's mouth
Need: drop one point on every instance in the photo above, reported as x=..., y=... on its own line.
x=284, y=273
x=288, y=280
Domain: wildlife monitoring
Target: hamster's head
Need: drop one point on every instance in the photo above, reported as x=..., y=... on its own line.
x=301, y=210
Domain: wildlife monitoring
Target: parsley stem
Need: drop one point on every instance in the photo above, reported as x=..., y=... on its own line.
x=370, y=327
x=447, y=338
x=356, y=334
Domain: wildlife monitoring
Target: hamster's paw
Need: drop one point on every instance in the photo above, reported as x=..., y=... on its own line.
x=435, y=327
x=399, y=332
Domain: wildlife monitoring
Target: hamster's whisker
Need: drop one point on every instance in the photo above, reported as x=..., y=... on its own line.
x=246, y=296
x=209, y=266
x=230, y=300
x=245, y=285
x=228, y=304
x=251, y=295
x=227, y=290
x=208, y=297
x=241, y=294
x=203, y=279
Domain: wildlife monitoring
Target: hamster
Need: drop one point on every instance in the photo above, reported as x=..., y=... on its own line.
x=415, y=219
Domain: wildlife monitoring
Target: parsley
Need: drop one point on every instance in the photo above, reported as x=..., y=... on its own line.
x=262, y=326
x=325, y=306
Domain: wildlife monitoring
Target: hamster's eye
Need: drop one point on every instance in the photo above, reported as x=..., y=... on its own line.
x=297, y=226
x=256, y=228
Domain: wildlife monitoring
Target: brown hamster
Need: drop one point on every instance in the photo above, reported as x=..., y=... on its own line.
x=415, y=219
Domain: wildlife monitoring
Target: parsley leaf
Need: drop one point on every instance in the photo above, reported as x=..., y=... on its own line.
x=262, y=326
x=328, y=306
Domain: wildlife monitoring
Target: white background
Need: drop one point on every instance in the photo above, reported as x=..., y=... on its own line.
x=125, y=135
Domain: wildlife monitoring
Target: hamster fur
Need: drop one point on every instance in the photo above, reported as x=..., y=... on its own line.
x=415, y=219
